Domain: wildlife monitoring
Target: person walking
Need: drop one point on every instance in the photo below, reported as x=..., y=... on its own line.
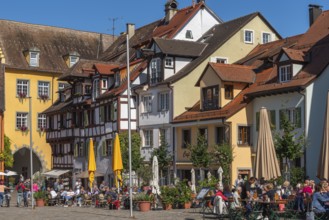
x=20, y=189
x=2, y=191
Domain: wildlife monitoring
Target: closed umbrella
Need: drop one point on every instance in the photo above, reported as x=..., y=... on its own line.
x=323, y=163
x=193, y=180
x=155, y=178
x=267, y=164
x=91, y=163
x=117, y=165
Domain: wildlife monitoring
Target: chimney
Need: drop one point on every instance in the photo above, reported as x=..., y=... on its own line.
x=170, y=9
x=130, y=29
x=314, y=12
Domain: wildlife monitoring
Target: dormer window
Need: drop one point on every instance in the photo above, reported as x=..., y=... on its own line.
x=117, y=79
x=169, y=62
x=73, y=60
x=188, y=34
x=210, y=98
x=34, y=59
x=285, y=73
x=156, y=71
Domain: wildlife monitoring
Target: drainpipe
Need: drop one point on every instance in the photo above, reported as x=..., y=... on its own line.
x=173, y=132
x=302, y=92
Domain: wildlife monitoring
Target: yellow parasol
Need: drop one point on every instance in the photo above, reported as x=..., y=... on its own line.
x=117, y=161
x=91, y=163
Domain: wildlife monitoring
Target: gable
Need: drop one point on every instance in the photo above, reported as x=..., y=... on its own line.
x=283, y=57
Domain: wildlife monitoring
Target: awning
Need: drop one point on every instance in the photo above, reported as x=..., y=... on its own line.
x=55, y=173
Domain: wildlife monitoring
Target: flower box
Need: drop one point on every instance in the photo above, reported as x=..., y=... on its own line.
x=43, y=97
x=22, y=95
x=23, y=128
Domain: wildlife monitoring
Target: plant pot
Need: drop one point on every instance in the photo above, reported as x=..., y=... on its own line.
x=187, y=205
x=193, y=196
x=40, y=202
x=167, y=206
x=144, y=206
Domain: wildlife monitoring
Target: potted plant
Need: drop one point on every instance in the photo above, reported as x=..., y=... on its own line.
x=184, y=194
x=40, y=197
x=168, y=195
x=23, y=128
x=22, y=95
x=144, y=202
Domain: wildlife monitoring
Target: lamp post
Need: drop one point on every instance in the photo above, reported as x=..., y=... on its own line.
x=31, y=153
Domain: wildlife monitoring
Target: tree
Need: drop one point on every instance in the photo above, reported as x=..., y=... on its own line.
x=223, y=156
x=163, y=155
x=6, y=155
x=200, y=157
x=287, y=145
x=136, y=159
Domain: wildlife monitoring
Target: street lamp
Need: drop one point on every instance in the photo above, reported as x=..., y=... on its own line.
x=31, y=153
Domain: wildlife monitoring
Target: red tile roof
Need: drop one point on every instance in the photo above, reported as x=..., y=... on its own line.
x=105, y=69
x=234, y=73
x=294, y=55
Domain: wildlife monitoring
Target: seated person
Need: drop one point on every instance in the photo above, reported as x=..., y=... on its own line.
x=53, y=193
x=69, y=195
x=219, y=200
x=268, y=195
x=320, y=198
x=236, y=197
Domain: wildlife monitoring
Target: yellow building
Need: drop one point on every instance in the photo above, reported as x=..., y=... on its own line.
x=34, y=56
x=221, y=116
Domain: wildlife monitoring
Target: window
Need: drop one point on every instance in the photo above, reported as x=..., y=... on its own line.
x=73, y=60
x=81, y=150
x=78, y=89
x=285, y=73
x=34, y=59
x=95, y=88
x=244, y=135
x=41, y=122
x=21, y=120
x=155, y=71
x=294, y=115
x=228, y=91
x=266, y=38
x=271, y=118
x=148, y=138
x=210, y=98
x=43, y=90
x=105, y=148
x=163, y=101
x=109, y=147
x=101, y=114
x=220, y=135
x=22, y=88
x=188, y=34
x=186, y=133
x=249, y=36
x=169, y=62
x=62, y=86
x=117, y=79
x=147, y=104
x=104, y=84
x=163, y=135
x=204, y=133
x=221, y=60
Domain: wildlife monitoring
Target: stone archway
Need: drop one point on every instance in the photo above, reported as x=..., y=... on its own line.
x=22, y=162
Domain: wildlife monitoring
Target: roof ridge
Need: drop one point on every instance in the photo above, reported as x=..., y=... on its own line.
x=231, y=65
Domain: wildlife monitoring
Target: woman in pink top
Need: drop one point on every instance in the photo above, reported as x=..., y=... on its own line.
x=35, y=187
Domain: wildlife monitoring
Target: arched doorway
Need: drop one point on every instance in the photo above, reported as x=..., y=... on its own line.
x=22, y=163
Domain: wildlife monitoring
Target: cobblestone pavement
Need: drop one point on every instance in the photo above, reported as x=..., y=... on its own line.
x=82, y=213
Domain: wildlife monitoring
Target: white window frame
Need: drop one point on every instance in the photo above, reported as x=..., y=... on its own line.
x=251, y=40
x=34, y=58
x=73, y=60
x=147, y=103
x=148, y=138
x=41, y=121
x=268, y=39
x=22, y=87
x=155, y=69
x=43, y=89
x=221, y=59
x=285, y=73
x=163, y=101
x=21, y=120
x=169, y=62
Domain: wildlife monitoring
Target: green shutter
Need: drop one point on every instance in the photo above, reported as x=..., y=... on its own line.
x=76, y=150
x=101, y=114
x=85, y=117
x=112, y=111
x=257, y=121
x=298, y=117
x=282, y=113
x=159, y=102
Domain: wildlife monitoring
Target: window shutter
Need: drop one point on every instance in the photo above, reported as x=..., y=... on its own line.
x=298, y=117
x=257, y=121
x=272, y=119
x=112, y=111
x=85, y=117
x=101, y=113
x=159, y=102
x=86, y=149
x=282, y=113
x=76, y=150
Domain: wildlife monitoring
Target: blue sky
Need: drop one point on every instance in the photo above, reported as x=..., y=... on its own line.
x=289, y=17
